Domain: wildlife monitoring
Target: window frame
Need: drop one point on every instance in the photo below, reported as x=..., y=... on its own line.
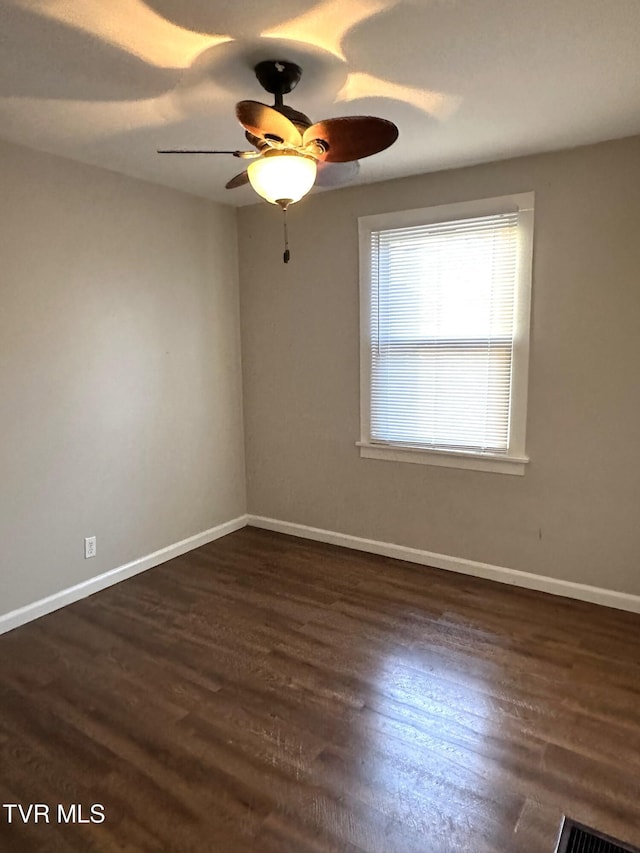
x=515, y=459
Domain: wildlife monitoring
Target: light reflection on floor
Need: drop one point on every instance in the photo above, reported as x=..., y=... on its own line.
x=426, y=756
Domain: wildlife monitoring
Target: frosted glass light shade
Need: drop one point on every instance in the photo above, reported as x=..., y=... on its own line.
x=282, y=176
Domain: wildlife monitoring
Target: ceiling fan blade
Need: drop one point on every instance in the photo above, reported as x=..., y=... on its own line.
x=266, y=123
x=237, y=181
x=336, y=174
x=242, y=154
x=351, y=137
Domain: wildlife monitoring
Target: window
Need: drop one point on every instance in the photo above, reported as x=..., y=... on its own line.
x=445, y=299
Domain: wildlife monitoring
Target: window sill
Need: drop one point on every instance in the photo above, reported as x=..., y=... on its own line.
x=493, y=462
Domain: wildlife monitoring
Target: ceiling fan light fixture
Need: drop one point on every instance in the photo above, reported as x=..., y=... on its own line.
x=282, y=176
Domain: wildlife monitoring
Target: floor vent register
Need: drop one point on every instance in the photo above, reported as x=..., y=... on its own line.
x=577, y=838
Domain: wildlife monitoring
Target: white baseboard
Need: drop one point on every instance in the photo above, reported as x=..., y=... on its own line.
x=567, y=589
x=14, y=618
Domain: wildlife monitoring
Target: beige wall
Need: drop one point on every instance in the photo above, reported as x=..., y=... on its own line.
x=120, y=363
x=575, y=515
x=119, y=371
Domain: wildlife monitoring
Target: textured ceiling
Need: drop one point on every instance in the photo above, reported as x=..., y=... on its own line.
x=465, y=80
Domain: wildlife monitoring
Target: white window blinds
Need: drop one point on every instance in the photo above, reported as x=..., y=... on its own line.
x=442, y=333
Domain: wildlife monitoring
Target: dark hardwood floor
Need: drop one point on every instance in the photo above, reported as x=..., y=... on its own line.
x=272, y=695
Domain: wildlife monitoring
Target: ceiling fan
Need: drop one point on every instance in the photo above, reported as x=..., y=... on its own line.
x=289, y=148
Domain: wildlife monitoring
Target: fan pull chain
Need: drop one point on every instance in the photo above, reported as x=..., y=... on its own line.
x=287, y=254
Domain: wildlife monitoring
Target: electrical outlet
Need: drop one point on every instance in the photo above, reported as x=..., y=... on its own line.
x=89, y=547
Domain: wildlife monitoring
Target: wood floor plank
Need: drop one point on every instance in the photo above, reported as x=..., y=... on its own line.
x=266, y=694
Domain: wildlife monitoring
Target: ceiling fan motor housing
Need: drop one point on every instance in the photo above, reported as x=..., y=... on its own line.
x=278, y=76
